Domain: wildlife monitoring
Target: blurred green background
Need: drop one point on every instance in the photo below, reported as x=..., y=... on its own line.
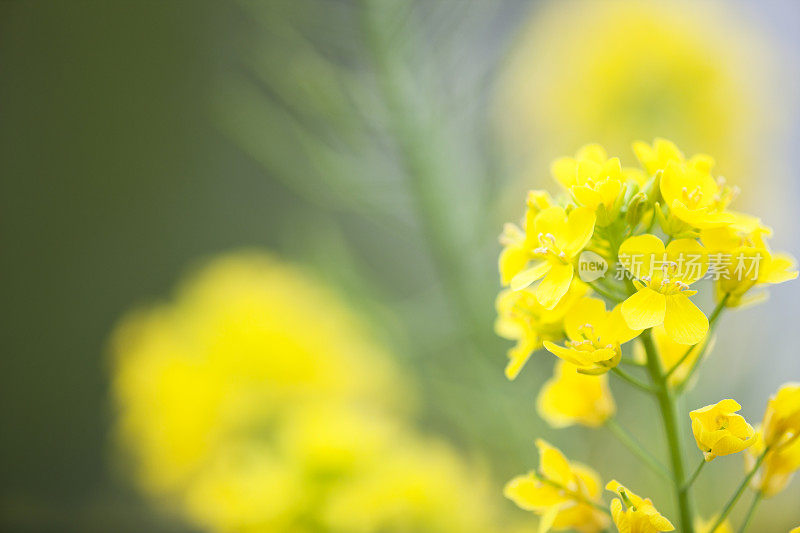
x=138, y=138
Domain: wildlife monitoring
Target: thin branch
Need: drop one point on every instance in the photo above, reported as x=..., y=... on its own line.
x=630, y=442
x=632, y=380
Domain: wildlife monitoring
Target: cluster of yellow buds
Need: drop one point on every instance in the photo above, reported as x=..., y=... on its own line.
x=608, y=267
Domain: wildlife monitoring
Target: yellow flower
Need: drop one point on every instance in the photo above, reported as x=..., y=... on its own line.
x=782, y=418
x=594, y=180
x=516, y=249
x=235, y=416
x=522, y=318
x=559, y=492
x=552, y=242
x=595, y=336
x=670, y=352
x=570, y=398
x=719, y=431
x=742, y=260
x=704, y=526
x=664, y=277
x=778, y=467
x=633, y=514
x=615, y=70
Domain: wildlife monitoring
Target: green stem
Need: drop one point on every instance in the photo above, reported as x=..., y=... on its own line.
x=636, y=449
x=415, y=142
x=666, y=404
x=712, y=321
x=751, y=512
x=599, y=289
x=696, y=473
x=632, y=380
x=738, y=494
x=578, y=497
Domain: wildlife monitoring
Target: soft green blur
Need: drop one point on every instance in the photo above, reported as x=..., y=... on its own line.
x=139, y=138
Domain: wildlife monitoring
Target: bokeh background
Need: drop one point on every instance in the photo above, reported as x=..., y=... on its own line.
x=380, y=145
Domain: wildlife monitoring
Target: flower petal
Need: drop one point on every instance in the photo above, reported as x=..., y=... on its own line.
x=554, y=285
x=644, y=309
x=684, y=321
x=529, y=275
x=580, y=226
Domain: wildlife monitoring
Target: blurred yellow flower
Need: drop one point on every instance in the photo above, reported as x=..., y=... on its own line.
x=595, y=336
x=633, y=514
x=782, y=418
x=564, y=494
x=662, y=277
x=257, y=402
x=704, y=526
x=522, y=318
x=718, y=430
x=745, y=261
x=615, y=70
x=570, y=398
x=778, y=467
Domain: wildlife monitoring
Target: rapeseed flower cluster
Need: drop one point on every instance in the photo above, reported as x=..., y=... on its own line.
x=609, y=267
x=256, y=402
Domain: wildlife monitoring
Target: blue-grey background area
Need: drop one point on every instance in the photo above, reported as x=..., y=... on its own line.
x=125, y=160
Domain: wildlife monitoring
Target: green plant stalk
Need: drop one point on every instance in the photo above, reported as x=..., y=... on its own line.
x=751, y=512
x=696, y=473
x=738, y=494
x=415, y=142
x=573, y=494
x=667, y=407
x=636, y=449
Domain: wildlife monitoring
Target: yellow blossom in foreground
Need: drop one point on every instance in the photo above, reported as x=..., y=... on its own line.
x=558, y=492
x=522, y=318
x=782, y=417
x=594, y=180
x=595, y=336
x=663, y=279
x=777, y=469
x=633, y=514
x=554, y=242
x=719, y=431
x=704, y=526
x=232, y=414
x=570, y=398
x=795, y=530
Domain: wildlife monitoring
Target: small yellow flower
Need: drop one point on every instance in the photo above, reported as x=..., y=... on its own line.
x=782, y=417
x=778, y=467
x=670, y=352
x=570, y=398
x=664, y=277
x=522, y=318
x=704, y=526
x=595, y=336
x=743, y=261
x=633, y=514
x=795, y=530
x=690, y=191
x=594, y=180
x=552, y=242
x=516, y=249
x=558, y=492
x=719, y=431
